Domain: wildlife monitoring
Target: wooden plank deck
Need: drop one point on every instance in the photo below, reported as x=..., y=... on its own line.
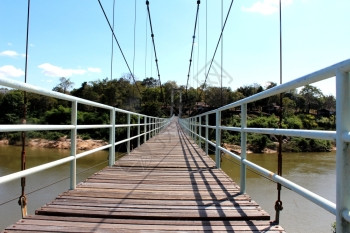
x=167, y=184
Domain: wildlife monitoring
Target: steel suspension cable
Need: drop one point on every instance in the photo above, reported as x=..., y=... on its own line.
x=206, y=42
x=23, y=199
x=217, y=45
x=112, y=42
x=193, y=41
x=120, y=49
x=198, y=49
x=133, y=59
x=154, y=48
x=222, y=52
x=146, y=47
x=278, y=203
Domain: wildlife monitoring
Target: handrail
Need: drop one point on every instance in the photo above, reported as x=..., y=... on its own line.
x=151, y=126
x=193, y=126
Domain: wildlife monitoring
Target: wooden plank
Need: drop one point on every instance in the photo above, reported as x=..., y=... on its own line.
x=166, y=185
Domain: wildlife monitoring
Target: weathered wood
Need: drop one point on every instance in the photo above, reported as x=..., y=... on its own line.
x=166, y=185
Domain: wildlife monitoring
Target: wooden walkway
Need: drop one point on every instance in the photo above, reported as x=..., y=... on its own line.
x=167, y=184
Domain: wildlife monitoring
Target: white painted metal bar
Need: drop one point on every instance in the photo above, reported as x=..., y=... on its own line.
x=318, y=200
x=33, y=89
x=341, y=135
x=128, y=134
x=139, y=130
x=18, y=128
x=346, y=137
x=73, y=146
x=343, y=150
x=111, y=156
x=317, y=134
x=243, y=172
x=145, y=129
x=346, y=215
x=33, y=170
x=206, y=133
x=195, y=132
x=200, y=132
x=126, y=125
x=218, y=140
x=94, y=126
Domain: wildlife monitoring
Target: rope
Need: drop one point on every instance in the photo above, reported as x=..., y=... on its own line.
x=120, y=49
x=216, y=48
x=154, y=48
x=193, y=41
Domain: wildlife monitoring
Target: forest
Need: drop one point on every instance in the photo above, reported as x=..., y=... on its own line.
x=307, y=108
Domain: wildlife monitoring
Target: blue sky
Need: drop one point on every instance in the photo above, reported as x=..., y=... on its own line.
x=71, y=38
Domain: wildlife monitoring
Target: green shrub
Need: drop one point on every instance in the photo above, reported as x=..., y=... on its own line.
x=263, y=122
x=293, y=122
x=14, y=138
x=257, y=142
x=298, y=144
x=309, y=121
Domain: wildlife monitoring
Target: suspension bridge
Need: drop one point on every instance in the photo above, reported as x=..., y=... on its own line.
x=166, y=184
x=169, y=182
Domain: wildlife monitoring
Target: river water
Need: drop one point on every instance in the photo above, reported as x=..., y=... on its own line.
x=314, y=171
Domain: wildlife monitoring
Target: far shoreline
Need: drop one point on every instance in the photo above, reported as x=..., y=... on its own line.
x=62, y=143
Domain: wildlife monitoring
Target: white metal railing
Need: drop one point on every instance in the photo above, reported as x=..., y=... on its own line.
x=193, y=126
x=151, y=126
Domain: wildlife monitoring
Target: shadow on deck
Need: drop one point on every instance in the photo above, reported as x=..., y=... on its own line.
x=166, y=184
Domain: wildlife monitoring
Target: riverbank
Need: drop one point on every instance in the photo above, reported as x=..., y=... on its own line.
x=61, y=143
x=237, y=149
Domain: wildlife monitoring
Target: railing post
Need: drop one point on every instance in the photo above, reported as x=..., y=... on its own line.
x=145, y=129
x=243, y=173
x=138, y=131
x=192, y=127
x=73, y=151
x=218, y=139
x=200, y=132
x=111, y=159
x=343, y=151
x=128, y=134
x=206, y=134
x=195, y=130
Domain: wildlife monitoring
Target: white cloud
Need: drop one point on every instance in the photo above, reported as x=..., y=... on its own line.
x=266, y=7
x=56, y=71
x=11, y=53
x=94, y=70
x=9, y=71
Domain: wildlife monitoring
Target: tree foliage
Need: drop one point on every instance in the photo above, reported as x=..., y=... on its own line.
x=299, y=108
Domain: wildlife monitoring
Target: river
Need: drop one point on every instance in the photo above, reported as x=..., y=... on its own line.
x=314, y=171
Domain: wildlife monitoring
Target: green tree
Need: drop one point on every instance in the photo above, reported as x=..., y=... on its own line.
x=213, y=96
x=12, y=107
x=64, y=85
x=312, y=96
